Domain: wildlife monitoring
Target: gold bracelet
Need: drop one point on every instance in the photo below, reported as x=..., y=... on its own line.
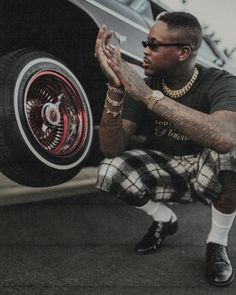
x=113, y=114
x=113, y=102
x=116, y=90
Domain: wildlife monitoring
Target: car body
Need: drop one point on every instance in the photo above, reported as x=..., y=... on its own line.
x=67, y=29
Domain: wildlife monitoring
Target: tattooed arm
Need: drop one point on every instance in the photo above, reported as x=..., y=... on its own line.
x=216, y=131
x=114, y=133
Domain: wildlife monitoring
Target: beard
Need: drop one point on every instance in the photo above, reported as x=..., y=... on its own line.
x=150, y=72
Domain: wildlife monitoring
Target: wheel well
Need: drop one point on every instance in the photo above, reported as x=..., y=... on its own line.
x=60, y=28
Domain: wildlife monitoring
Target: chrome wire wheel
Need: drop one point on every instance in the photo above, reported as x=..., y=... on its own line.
x=55, y=114
x=46, y=124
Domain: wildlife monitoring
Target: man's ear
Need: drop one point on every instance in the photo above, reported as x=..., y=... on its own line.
x=184, y=53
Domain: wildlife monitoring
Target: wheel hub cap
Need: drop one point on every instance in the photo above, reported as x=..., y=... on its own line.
x=51, y=114
x=55, y=114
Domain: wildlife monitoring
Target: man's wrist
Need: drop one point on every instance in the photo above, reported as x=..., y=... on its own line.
x=114, y=99
x=154, y=98
x=113, y=104
x=116, y=90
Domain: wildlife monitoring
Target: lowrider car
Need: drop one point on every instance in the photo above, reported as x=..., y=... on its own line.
x=51, y=87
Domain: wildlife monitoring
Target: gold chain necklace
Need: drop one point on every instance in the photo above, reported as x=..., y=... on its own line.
x=180, y=92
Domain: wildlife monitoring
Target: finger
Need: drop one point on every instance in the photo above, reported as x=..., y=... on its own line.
x=108, y=51
x=104, y=31
x=102, y=53
x=108, y=39
x=111, y=76
x=116, y=58
x=100, y=33
x=117, y=52
x=98, y=48
x=100, y=37
x=113, y=66
x=98, y=41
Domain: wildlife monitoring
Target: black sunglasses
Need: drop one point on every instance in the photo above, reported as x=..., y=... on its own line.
x=155, y=45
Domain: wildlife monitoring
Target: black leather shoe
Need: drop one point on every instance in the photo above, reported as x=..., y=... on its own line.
x=155, y=236
x=218, y=267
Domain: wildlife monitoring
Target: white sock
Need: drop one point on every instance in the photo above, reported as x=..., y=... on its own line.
x=221, y=224
x=158, y=211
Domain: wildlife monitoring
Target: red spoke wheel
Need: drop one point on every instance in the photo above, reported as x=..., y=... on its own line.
x=46, y=121
x=55, y=114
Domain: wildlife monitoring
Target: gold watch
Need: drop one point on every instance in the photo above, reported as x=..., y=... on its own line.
x=154, y=98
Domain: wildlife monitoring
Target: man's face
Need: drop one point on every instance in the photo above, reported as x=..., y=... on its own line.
x=163, y=59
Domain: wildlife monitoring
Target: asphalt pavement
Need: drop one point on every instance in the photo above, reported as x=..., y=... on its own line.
x=14, y=193
x=83, y=244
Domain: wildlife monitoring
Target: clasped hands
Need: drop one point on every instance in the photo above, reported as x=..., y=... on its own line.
x=116, y=70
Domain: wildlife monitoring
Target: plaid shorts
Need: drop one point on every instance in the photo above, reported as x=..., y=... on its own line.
x=137, y=176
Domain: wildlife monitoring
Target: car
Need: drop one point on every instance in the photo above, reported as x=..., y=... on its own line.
x=51, y=87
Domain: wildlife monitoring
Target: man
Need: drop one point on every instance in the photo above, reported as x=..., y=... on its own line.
x=188, y=113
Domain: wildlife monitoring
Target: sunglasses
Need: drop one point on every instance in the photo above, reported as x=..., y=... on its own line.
x=155, y=45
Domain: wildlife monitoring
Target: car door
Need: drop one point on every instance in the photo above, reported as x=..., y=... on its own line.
x=128, y=25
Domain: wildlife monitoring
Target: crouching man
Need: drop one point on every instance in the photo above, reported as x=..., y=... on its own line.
x=188, y=114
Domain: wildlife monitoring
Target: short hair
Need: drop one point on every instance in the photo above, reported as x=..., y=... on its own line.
x=188, y=25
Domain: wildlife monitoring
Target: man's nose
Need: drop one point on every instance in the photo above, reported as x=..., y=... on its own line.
x=147, y=51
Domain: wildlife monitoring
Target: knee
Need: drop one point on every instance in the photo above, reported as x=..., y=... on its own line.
x=227, y=179
x=108, y=167
x=226, y=202
x=106, y=175
x=119, y=179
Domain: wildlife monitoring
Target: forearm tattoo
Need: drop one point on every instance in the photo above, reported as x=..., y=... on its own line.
x=114, y=134
x=213, y=131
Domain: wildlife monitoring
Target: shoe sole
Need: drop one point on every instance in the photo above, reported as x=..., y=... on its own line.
x=223, y=284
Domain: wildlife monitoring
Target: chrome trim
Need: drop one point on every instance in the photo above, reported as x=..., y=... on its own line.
x=139, y=59
x=117, y=15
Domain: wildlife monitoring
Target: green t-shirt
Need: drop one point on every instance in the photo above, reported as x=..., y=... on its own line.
x=214, y=90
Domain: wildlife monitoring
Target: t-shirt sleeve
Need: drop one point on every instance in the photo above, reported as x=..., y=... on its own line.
x=223, y=94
